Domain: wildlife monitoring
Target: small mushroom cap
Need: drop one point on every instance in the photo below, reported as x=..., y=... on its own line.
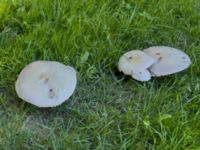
x=141, y=75
x=46, y=83
x=135, y=63
x=167, y=60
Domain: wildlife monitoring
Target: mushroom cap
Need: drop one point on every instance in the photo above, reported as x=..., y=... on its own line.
x=135, y=63
x=141, y=75
x=168, y=60
x=46, y=83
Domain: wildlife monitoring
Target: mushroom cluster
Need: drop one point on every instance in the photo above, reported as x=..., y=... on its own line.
x=50, y=83
x=154, y=61
x=46, y=83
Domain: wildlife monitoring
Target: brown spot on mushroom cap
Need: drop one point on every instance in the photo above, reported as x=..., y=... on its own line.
x=46, y=80
x=183, y=57
x=51, y=93
x=44, y=77
x=159, y=59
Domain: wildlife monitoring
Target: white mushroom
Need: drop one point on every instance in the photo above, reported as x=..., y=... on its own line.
x=135, y=64
x=167, y=60
x=46, y=83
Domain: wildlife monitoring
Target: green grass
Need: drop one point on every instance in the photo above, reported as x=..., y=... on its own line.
x=107, y=110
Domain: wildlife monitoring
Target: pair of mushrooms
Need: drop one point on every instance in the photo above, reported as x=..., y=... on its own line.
x=50, y=83
x=154, y=61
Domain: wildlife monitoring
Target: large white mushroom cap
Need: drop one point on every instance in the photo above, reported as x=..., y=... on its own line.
x=46, y=83
x=167, y=60
x=135, y=64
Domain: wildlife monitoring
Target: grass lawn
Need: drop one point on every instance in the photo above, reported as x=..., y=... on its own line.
x=108, y=110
